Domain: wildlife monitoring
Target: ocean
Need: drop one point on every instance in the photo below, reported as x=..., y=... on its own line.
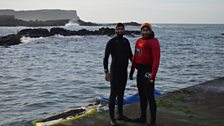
x=44, y=76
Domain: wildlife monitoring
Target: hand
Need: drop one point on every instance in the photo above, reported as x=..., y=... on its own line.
x=151, y=81
x=131, y=74
x=107, y=76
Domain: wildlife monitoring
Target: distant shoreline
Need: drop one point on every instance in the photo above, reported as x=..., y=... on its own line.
x=7, y=20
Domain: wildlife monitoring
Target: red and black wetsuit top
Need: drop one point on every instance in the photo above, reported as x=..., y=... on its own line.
x=147, y=52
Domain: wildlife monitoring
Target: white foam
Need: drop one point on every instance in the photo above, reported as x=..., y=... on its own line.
x=157, y=26
x=71, y=24
x=58, y=36
x=28, y=39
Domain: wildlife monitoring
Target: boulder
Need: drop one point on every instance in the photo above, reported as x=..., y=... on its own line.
x=24, y=32
x=41, y=32
x=34, y=33
x=58, y=31
x=10, y=40
x=132, y=33
x=106, y=31
x=84, y=32
x=132, y=24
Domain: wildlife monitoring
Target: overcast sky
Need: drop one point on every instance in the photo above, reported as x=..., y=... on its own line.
x=109, y=11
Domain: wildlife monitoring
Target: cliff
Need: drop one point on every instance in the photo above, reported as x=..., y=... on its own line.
x=8, y=20
x=42, y=15
x=46, y=18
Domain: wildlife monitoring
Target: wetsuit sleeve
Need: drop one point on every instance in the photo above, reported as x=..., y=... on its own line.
x=130, y=52
x=133, y=66
x=156, y=58
x=106, y=57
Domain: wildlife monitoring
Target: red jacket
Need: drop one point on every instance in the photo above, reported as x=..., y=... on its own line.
x=147, y=52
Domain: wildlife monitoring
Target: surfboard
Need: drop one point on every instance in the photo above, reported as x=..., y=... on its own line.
x=68, y=116
x=127, y=100
x=82, y=112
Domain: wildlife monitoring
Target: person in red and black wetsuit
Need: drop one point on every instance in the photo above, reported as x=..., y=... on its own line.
x=146, y=60
x=120, y=51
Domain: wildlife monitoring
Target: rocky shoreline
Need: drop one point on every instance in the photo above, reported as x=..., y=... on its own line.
x=15, y=39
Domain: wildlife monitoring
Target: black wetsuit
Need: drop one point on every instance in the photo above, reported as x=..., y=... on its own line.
x=146, y=91
x=120, y=50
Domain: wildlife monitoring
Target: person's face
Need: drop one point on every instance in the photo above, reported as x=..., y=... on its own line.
x=119, y=30
x=146, y=32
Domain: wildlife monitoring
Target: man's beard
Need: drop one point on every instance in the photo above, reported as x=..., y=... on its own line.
x=120, y=35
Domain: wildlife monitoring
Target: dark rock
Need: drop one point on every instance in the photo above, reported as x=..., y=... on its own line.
x=40, y=32
x=65, y=32
x=58, y=31
x=34, y=33
x=106, y=31
x=10, y=40
x=96, y=32
x=84, y=32
x=132, y=24
x=111, y=31
x=222, y=33
x=24, y=32
x=132, y=33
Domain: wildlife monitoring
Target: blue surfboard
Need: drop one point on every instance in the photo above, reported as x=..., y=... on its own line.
x=127, y=100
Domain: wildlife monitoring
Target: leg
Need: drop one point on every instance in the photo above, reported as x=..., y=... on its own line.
x=113, y=95
x=152, y=102
x=112, y=99
x=120, y=100
x=142, y=93
x=121, y=89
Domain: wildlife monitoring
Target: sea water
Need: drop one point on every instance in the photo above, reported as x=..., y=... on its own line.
x=44, y=76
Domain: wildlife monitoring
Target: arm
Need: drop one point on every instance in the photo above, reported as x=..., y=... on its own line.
x=130, y=52
x=132, y=66
x=156, y=58
x=105, y=61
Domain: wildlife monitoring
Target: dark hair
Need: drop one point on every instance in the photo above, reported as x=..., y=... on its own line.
x=120, y=25
x=152, y=35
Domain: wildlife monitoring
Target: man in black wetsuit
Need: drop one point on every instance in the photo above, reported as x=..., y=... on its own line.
x=119, y=49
